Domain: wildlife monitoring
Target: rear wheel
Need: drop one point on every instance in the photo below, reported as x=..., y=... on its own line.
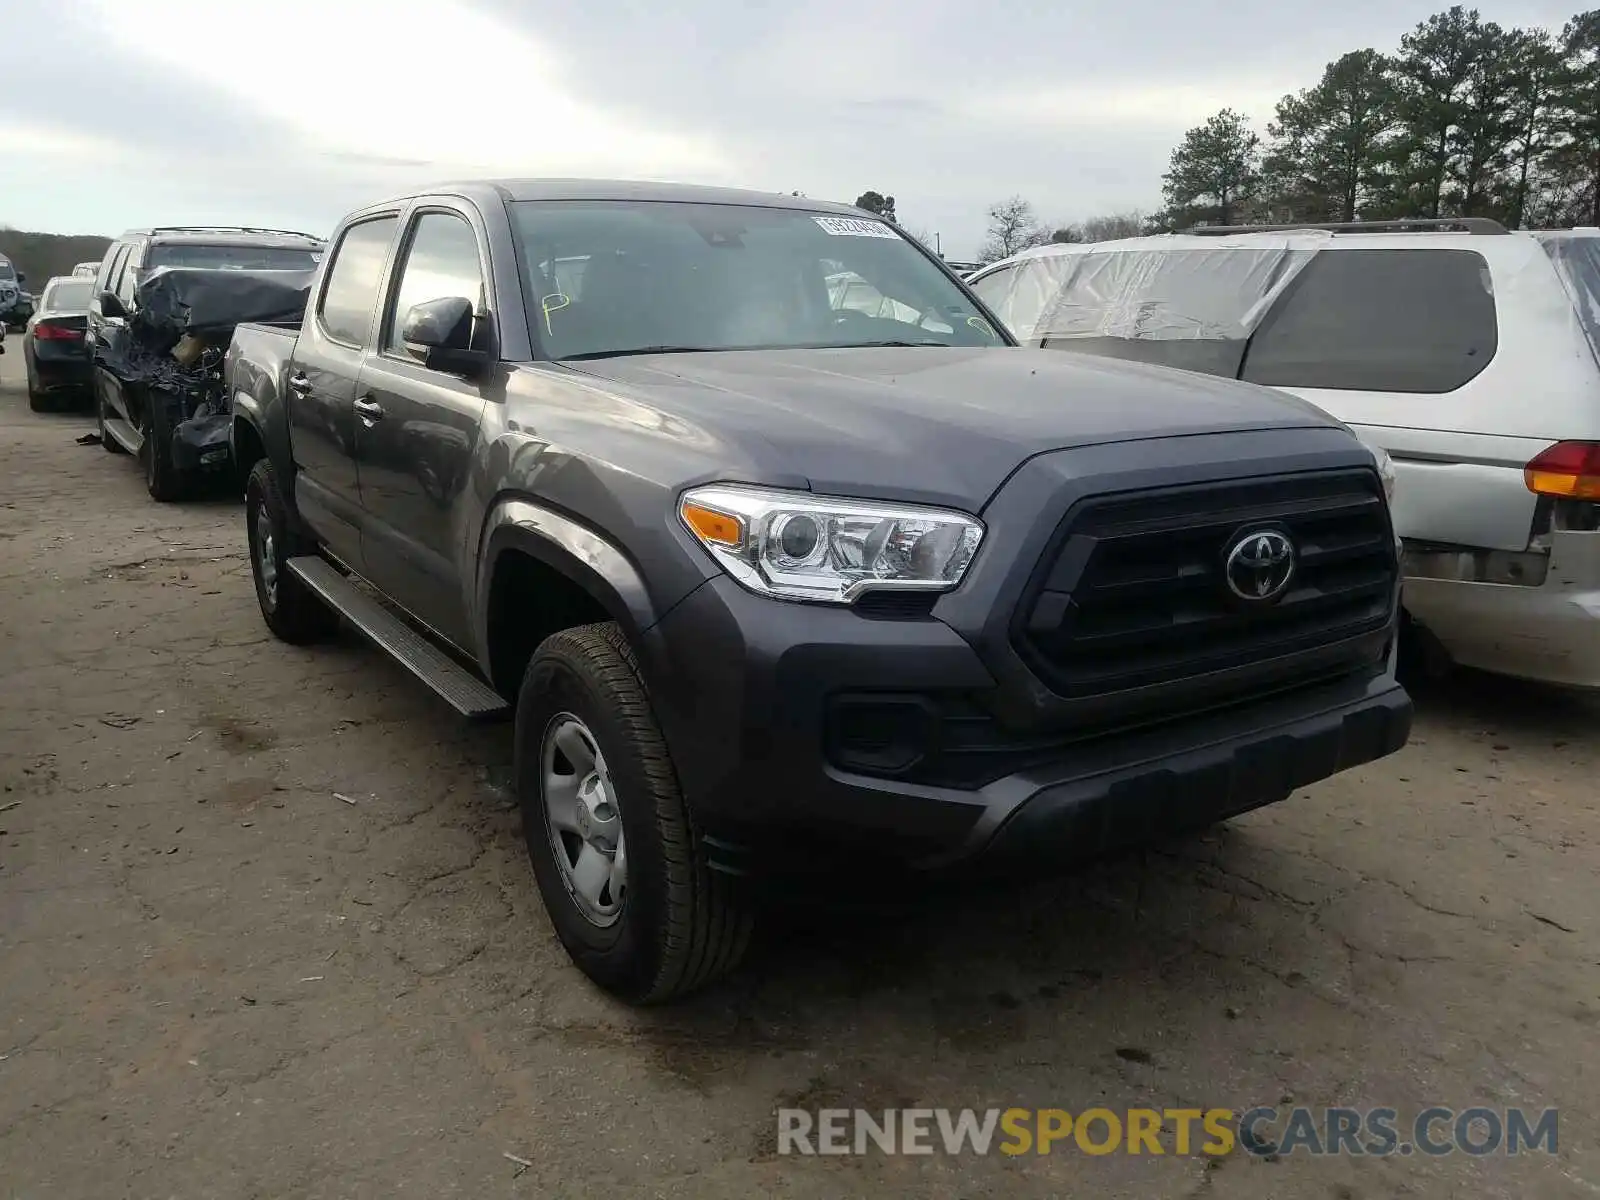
x=292, y=611
x=616, y=855
x=38, y=400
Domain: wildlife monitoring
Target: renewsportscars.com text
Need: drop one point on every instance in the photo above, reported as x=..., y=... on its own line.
x=1374, y=1132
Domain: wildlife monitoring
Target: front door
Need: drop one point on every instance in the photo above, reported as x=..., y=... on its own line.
x=320, y=386
x=107, y=336
x=417, y=431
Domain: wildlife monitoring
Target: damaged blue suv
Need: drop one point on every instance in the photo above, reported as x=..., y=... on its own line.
x=165, y=305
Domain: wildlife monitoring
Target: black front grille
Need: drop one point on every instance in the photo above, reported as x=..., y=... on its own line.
x=1132, y=593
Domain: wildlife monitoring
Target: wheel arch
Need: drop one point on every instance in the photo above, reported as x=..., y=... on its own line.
x=247, y=445
x=540, y=571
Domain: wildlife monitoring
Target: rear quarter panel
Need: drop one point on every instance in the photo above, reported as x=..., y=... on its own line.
x=1459, y=455
x=254, y=370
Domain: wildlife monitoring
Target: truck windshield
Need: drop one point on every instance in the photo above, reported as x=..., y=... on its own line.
x=237, y=258
x=621, y=277
x=7, y=271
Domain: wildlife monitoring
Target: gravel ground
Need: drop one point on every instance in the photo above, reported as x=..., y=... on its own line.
x=218, y=979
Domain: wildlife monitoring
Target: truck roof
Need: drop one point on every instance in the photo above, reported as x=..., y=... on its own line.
x=232, y=235
x=621, y=189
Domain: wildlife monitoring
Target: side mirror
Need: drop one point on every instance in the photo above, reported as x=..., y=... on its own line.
x=440, y=332
x=111, y=306
x=21, y=278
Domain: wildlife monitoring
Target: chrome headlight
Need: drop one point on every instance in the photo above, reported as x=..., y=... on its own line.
x=797, y=546
x=1385, y=471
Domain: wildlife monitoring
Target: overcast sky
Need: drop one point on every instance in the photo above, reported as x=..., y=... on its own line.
x=117, y=113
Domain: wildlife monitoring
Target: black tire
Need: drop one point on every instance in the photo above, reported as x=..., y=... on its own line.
x=681, y=925
x=107, y=443
x=162, y=478
x=291, y=610
x=38, y=401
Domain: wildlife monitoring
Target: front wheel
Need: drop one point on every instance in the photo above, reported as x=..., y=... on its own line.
x=615, y=854
x=162, y=477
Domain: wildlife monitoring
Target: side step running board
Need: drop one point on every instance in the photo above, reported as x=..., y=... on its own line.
x=124, y=434
x=464, y=691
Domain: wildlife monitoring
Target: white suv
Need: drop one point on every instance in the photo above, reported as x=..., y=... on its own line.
x=1468, y=353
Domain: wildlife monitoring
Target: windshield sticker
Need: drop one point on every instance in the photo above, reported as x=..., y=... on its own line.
x=853, y=227
x=984, y=328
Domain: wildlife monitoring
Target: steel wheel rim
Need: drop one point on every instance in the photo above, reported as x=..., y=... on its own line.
x=266, y=556
x=583, y=820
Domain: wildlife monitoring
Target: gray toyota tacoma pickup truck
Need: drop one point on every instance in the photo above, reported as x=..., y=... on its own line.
x=784, y=557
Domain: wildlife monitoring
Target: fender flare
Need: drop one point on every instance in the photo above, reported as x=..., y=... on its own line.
x=246, y=408
x=244, y=411
x=515, y=523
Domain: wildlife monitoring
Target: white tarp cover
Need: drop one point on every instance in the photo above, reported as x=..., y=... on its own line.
x=1169, y=288
x=1576, y=258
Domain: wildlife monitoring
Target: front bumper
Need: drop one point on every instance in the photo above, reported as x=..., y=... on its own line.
x=744, y=689
x=202, y=443
x=1549, y=633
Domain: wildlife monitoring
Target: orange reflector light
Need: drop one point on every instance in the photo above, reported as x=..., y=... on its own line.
x=1569, y=469
x=714, y=526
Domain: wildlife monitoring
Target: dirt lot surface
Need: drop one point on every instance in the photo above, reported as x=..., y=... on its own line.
x=219, y=979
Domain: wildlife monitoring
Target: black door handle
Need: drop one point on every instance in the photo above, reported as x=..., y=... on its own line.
x=369, y=410
x=299, y=383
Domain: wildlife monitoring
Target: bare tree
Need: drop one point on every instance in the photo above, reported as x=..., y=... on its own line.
x=1112, y=226
x=1013, y=226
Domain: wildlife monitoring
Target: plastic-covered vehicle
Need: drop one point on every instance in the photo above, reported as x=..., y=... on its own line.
x=1469, y=353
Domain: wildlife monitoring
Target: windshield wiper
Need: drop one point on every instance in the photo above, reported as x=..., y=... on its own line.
x=588, y=354
x=869, y=345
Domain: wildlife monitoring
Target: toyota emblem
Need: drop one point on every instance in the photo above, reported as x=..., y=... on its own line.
x=1259, y=565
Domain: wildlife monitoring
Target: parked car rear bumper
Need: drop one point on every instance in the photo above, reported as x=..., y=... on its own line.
x=61, y=373
x=1549, y=633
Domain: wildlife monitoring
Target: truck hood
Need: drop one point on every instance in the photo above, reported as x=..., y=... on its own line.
x=936, y=424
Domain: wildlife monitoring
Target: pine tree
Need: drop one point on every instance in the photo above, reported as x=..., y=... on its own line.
x=1330, y=141
x=1433, y=78
x=1218, y=163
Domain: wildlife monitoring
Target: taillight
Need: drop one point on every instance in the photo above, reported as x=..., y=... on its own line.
x=56, y=333
x=1568, y=469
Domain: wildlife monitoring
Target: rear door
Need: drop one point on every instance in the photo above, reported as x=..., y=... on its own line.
x=1425, y=351
x=417, y=429
x=320, y=384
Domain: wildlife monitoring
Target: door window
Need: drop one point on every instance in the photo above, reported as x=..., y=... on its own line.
x=1576, y=258
x=350, y=293
x=110, y=267
x=441, y=263
x=127, y=276
x=1380, y=321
